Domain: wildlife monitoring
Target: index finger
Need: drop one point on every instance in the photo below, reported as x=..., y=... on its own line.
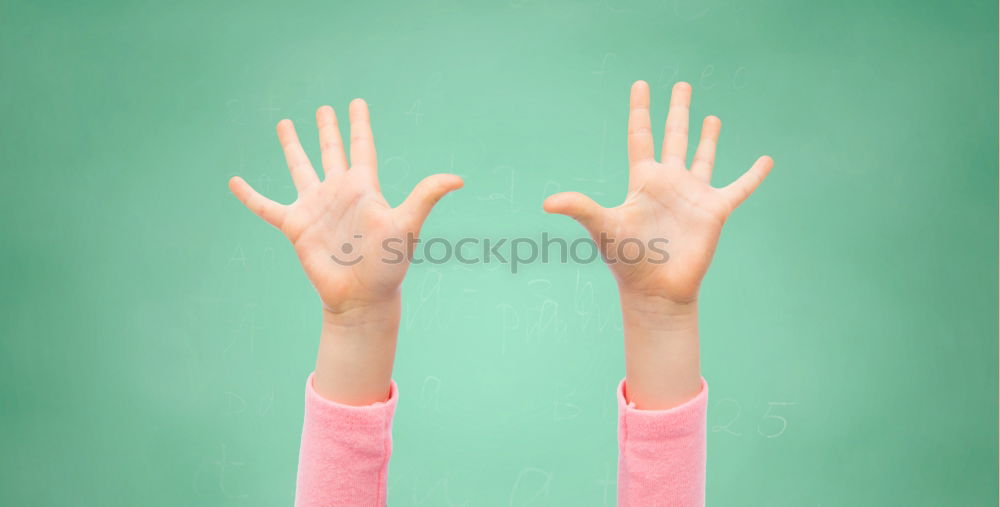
x=640, y=133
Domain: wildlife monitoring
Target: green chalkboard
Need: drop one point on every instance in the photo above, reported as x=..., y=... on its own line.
x=156, y=336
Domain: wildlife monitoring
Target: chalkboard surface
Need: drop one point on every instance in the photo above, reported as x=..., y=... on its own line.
x=156, y=336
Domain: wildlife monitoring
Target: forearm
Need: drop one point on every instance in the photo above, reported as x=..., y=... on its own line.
x=661, y=405
x=662, y=365
x=356, y=353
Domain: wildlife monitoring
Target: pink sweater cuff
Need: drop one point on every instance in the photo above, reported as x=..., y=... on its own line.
x=661, y=453
x=335, y=414
x=345, y=450
x=684, y=419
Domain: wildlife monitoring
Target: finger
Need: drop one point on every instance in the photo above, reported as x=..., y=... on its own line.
x=425, y=195
x=576, y=206
x=330, y=143
x=739, y=190
x=704, y=156
x=640, y=134
x=303, y=174
x=272, y=212
x=362, y=141
x=675, y=136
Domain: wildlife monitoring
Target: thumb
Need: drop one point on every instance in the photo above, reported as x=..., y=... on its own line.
x=576, y=206
x=426, y=194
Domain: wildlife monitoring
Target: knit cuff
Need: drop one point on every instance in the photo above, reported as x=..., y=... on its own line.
x=376, y=416
x=684, y=419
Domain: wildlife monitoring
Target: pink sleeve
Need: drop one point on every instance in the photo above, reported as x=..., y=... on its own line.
x=661, y=453
x=344, y=456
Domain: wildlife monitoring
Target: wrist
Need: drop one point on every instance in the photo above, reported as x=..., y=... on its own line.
x=357, y=350
x=662, y=363
x=660, y=312
x=363, y=315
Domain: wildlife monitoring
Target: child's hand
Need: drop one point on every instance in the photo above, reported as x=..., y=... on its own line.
x=338, y=225
x=665, y=201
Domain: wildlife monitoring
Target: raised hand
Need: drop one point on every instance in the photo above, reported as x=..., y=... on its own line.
x=339, y=227
x=666, y=200
x=675, y=209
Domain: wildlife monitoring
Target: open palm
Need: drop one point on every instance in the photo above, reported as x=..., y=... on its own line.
x=340, y=226
x=666, y=202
